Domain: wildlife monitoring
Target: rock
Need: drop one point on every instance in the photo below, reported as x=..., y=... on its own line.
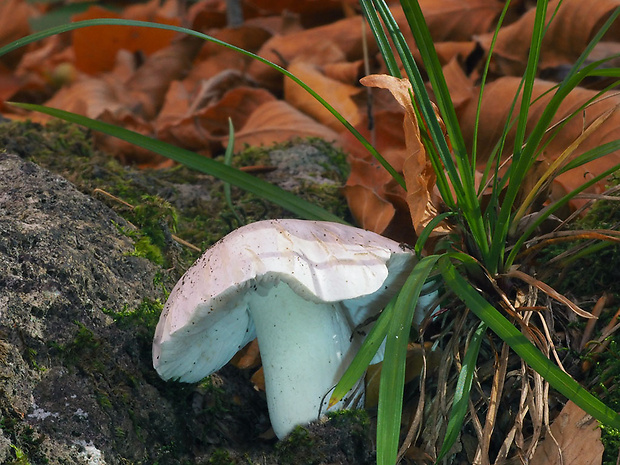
x=77, y=386
x=78, y=306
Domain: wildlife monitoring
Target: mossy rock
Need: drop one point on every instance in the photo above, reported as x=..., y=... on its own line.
x=84, y=273
x=178, y=201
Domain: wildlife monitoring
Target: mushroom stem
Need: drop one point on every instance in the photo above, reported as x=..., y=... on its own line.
x=305, y=348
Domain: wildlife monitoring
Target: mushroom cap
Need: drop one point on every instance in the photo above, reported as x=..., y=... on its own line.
x=206, y=319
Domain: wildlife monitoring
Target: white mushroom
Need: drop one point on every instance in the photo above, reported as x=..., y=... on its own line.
x=301, y=287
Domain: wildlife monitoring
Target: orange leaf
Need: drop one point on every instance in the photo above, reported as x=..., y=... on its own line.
x=373, y=212
x=346, y=33
x=110, y=39
x=459, y=20
x=277, y=121
x=334, y=92
x=569, y=33
x=14, y=16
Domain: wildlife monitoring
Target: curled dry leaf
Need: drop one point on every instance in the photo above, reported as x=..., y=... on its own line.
x=199, y=127
x=150, y=82
x=417, y=169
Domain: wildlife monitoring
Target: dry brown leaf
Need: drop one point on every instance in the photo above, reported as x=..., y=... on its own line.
x=458, y=20
x=127, y=152
x=277, y=121
x=372, y=212
x=176, y=124
x=237, y=104
x=14, y=24
x=578, y=437
x=336, y=93
x=89, y=97
x=150, y=82
x=110, y=39
x=298, y=6
x=283, y=49
x=214, y=59
x=367, y=174
x=344, y=71
x=248, y=357
x=568, y=35
x=417, y=169
x=197, y=122
x=461, y=87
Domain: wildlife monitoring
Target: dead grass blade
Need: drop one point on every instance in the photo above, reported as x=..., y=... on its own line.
x=501, y=365
x=549, y=291
x=596, y=311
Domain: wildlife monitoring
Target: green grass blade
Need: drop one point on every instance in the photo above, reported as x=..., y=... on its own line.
x=463, y=177
x=521, y=165
x=126, y=22
x=426, y=232
x=433, y=68
x=550, y=209
x=228, y=162
x=364, y=356
x=530, y=76
x=380, y=37
x=423, y=105
x=233, y=176
x=483, y=80
x=461, y=395
x=558, y=379
x=391, y=385
x=590, y=155
x=517, y=170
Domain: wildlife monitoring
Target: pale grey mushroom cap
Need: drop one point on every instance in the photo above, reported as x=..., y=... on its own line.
x=206, y=319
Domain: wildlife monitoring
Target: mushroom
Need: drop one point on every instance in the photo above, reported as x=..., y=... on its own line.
x=301, y=287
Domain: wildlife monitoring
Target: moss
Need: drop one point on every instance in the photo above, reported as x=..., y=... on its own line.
x=82, y=351
x=352, y=419
x=145, y=316
x=588, y=276
x=20, y=457
x=25, y=441
x=220, y=457
x=297, y=448
x=589, y=273
x=344, y=438
x=179, y=201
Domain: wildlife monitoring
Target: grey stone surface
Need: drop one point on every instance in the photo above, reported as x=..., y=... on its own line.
x=77, y=387
x=77, y=313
